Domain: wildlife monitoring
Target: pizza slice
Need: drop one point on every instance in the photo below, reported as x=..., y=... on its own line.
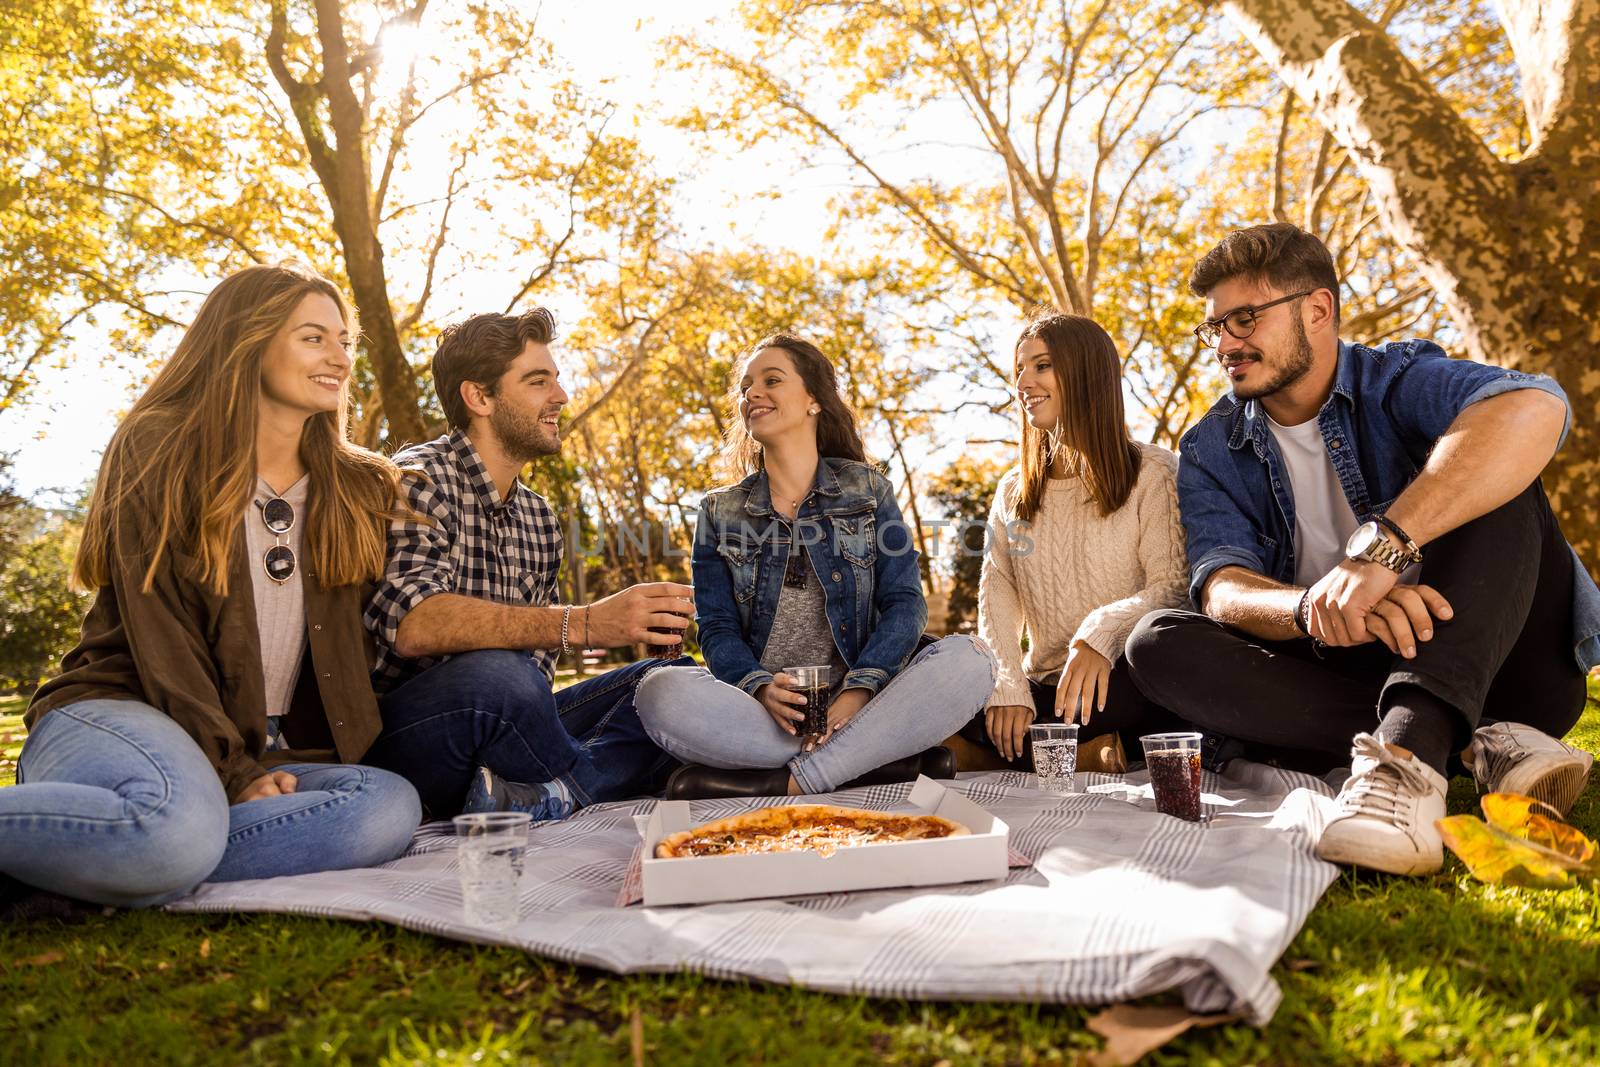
x=802, y=827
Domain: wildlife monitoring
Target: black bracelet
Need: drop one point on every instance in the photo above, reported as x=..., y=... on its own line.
x=1300, y=622
x=1394, y=528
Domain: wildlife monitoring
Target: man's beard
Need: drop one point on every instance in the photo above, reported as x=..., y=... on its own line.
x=522, y=437
x=1290, y=371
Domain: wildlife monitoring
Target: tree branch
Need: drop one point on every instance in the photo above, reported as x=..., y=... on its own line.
x=1279, y=213
x=1444, y=196
x=1557, y=57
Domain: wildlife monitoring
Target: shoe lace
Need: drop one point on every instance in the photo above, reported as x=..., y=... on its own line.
x=1494, y=760
x=1378, y=790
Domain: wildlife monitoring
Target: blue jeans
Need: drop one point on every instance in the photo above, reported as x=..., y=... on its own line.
x=116, y=804
x=494, y=708
x=701, y=720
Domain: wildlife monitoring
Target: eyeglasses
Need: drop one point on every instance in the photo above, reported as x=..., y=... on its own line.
x=278, y=561
x=1240, y=322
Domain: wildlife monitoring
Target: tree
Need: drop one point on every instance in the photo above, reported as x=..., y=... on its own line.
x=1086, y=194
x=395, y=146
x=40, y=612
x=655, y=356
x=1072, y=111
x=964, y=492
x=1509, y=238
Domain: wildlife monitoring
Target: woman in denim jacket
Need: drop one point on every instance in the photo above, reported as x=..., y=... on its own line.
x=806, y=561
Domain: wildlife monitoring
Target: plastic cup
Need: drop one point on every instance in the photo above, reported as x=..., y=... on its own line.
x=1174, y=764
x=491, y=851
x=674, y=650
x=1055, y=756
x=814, y=682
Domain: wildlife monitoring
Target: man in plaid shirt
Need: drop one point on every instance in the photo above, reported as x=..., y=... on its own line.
x=466, y=618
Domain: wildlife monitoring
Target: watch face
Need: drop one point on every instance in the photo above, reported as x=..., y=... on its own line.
x=1361, y=540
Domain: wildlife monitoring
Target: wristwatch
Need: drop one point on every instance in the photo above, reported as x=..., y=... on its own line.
x=1369, y=545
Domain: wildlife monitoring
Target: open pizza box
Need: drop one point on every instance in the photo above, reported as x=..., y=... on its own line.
x=981, y=855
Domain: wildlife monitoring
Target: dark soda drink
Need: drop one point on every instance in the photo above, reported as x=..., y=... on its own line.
x=1175, y=777
x=813, y=683
x=672, y=651
x=816, y=709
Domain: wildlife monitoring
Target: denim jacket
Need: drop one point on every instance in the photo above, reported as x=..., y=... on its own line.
x=1388, y=407
x=861, y=551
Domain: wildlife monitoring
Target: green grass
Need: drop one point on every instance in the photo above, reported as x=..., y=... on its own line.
x=1389, y=971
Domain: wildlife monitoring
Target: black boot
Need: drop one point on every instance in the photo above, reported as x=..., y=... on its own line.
x=20, y=903
x=937, y=762
x=694, y=782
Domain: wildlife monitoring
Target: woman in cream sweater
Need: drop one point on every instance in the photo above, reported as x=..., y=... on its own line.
x=1084, y=540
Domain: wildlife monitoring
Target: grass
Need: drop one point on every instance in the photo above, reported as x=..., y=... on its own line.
x=1389, y=971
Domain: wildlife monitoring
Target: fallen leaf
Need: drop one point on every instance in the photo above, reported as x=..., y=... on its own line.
x=205, y=949
x=521, y=987
x=45, y=959
x=1539, y=824
x=1299, y=965
x=1132, y=1030
x=1522, y=843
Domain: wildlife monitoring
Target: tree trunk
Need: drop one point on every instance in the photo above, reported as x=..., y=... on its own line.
x=342, y=167
x=1513, y=249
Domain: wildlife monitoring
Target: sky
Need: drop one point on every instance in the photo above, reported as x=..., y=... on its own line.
x=57, y=435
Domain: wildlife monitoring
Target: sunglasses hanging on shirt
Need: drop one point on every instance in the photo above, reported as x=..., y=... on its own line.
x=278, y=515
x=794, y=576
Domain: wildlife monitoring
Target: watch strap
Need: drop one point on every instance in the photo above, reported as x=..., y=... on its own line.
x=1385, y=554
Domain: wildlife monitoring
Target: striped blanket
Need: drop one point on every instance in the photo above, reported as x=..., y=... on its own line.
x=1119, y=901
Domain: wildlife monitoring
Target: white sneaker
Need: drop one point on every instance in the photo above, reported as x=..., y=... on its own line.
x=1509, y=757
x=1387, y=811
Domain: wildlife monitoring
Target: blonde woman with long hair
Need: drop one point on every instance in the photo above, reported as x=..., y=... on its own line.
x=207, y=725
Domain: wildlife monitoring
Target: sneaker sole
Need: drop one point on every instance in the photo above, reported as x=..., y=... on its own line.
x=1561, y=787
x=1334, y=853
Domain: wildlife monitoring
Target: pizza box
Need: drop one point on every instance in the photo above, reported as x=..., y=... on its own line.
x=979, y=856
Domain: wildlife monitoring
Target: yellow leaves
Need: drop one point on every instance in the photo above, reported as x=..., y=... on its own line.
x=1523, y=842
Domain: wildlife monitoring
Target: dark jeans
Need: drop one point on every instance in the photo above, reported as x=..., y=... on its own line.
x=495, y=709
x=1506, y=655
x=1129, y=713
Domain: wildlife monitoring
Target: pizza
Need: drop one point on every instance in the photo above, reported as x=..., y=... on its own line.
x=803, y=827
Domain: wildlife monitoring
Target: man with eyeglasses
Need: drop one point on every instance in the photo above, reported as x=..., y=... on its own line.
x=1377, y=567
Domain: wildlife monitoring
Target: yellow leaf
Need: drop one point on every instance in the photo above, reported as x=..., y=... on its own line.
x=1539, y=823
x=1522, y=843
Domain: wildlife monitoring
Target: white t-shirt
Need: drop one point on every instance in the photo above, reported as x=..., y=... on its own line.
x=280, y=606
x=1323, y=520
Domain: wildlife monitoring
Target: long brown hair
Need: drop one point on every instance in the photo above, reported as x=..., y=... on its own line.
x=179, y=471
x=836, y=423
x=1093, y=430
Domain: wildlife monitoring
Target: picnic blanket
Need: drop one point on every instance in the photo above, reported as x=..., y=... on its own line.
x=1119, y=901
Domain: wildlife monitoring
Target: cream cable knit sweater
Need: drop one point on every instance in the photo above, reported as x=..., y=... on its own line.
x=1087, y=578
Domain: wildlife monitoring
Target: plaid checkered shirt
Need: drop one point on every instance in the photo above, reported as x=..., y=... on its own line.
x=507, y=551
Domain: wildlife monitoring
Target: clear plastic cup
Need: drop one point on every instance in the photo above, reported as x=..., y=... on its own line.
x=1173, y=761
x=1055, y=756
x=491, y=851
x=814, y=682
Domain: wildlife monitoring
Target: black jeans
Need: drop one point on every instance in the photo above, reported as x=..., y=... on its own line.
x=1129, y=714
x=1506, y=655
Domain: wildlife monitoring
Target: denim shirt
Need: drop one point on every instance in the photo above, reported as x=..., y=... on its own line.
x=1388, y=407
x=861, y=551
